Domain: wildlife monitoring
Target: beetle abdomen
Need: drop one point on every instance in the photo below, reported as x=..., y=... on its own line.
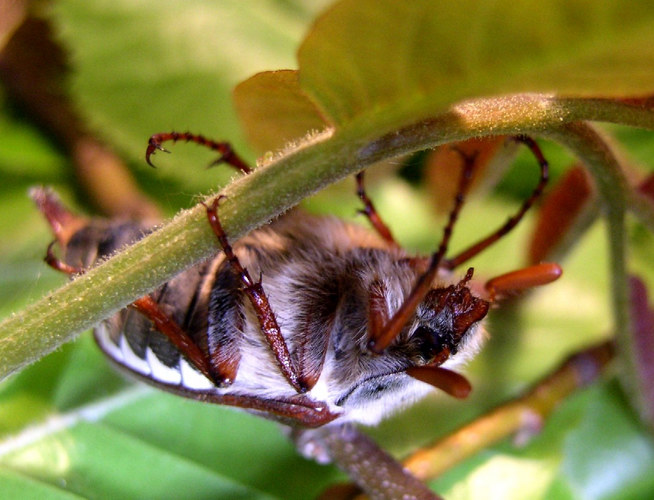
x=129, y=338
x=132, y=341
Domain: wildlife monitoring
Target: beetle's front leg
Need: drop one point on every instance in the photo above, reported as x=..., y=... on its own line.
x=259, y=300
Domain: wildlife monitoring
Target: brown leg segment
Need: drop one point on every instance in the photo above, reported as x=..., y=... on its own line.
x=370, y=212
x=294, y=411
x=59, y=265
x=147, y=306
x=259, y=300
x=512, y=221
x=62, y=221
x=227, y=154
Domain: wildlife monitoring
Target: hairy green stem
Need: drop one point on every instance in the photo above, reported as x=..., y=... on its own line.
x=642, y=207
x=269, y=191
x=589, y=145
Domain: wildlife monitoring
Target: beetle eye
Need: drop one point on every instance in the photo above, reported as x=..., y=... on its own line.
x=429, y=342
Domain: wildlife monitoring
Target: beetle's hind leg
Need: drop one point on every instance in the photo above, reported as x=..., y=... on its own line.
x=59, y=265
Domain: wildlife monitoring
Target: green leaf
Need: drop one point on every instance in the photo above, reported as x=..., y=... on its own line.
x=127, y=441
x=408, y=59
x=621, y=456
x=148, y=67
x=15, y=485
x=278, y=111
x=383, y=64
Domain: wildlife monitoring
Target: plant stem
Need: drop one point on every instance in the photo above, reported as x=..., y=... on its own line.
x=273, y=189
x=525, y=414
x=374, y=470
x=642, y=207
x=594, y=150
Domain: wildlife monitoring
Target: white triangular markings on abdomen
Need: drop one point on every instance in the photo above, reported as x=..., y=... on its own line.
x=161, y=372
x=106, y=344
x=131, y=360
x=192, y=379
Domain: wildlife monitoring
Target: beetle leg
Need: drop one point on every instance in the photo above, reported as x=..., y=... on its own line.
x=480, y=246
x=259, y=300
x=164, y=324
x=63, y=222
x=59, y=265
x=227, y=154
x=371, y=213
x=377, y=309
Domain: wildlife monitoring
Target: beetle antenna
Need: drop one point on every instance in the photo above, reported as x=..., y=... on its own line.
x=382, y=339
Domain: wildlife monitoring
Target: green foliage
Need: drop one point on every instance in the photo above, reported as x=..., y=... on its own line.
x=417, y=57
x=71, y=428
